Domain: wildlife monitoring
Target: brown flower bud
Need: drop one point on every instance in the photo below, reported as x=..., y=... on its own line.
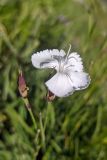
x=23, y=89
x=50, y=96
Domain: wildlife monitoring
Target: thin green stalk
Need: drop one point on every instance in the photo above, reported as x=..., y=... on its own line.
x=46, y=116
x=26, y=101
x=42, y=131
x=32, y=117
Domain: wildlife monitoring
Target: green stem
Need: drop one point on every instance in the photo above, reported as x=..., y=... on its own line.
x=32, y=117
x=42, y=131
x=26, y=101
x=46, y=116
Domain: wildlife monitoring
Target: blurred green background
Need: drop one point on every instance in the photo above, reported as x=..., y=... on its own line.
x=72, y=128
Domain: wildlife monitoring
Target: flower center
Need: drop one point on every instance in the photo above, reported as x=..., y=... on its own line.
x=63, y=61
x=61, y=66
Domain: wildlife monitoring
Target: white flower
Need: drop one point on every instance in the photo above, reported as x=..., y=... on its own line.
x=69, y=75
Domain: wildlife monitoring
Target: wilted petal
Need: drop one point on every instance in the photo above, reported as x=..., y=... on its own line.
x=47, y=58
x=60, y=85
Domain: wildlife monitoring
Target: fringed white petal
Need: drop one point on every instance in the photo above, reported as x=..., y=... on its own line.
x=74, y=62
x=60, y=85
x=80, y=80
x=70, y=75
x=47, y=58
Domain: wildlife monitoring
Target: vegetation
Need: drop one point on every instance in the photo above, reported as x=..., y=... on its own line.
x=72, y=128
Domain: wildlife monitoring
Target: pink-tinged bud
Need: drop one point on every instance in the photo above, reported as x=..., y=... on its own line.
x=50, y=96
x=23, y=89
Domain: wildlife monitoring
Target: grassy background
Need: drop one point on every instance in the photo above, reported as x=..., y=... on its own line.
x=76, y=126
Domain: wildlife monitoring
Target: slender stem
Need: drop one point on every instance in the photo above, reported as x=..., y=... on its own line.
x=46, y=116
x=28, y=106
x=42, y=131
x=32, y=117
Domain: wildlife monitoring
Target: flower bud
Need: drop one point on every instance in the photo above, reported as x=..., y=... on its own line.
x=50, y=96
x=23, y=89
